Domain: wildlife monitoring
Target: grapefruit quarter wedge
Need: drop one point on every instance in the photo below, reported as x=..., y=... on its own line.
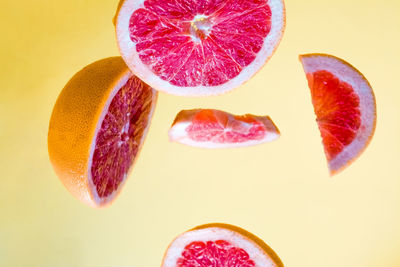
x=198, y=48
x=344, y=104
x=97, y=128
x=210, y=128
x=219, y=245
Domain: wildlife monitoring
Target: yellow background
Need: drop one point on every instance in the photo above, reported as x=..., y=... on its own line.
x=280, y=191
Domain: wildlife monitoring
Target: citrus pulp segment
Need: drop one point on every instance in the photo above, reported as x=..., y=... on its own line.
x=97, y=127
x=219, y=245
x=209, y=128
x=196, y=47
x=344, y=104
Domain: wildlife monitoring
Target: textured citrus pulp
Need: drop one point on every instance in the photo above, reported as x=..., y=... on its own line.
x=209, y=128
x=219, y=245
x=198, y=47
x=97, y=128
x=344, y=104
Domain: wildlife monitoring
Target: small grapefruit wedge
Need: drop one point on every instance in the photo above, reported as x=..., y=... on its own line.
x=219, y=245
x=198, y=47
x=97, y=128
x=210, y=128
x=344, y=104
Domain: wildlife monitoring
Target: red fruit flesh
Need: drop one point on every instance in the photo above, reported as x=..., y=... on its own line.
x=218, y=253
x=337, y=109
x=194, y=43
x=119, y=138
x=217, y=126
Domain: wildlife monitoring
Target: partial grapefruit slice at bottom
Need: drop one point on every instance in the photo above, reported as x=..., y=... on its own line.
x=97, y=128
x=219, y=245
x=209, y=128
x=344, y=104
x=186, y=47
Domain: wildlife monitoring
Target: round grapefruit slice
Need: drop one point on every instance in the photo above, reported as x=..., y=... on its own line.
x=219, y=245
x=197, y=48
x=344, y=104
x=210, y=128
x=97, y=128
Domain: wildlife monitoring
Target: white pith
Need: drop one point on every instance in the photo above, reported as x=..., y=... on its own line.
x=257, y=254
x=200, y=22
x=97, y=199
x=345, y=72
x=131, y=57
x=178, y=133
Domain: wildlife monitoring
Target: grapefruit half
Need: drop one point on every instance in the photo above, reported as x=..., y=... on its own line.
x=344, y=104
x=219, y=245
x=195, y=48
x=97, y=128
x=210, y=128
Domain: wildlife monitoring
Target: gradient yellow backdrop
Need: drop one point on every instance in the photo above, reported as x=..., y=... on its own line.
x=280, y=191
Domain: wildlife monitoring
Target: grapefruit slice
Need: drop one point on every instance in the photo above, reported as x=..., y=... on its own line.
x=210, y=128
x=219, y=245
x=194, y=48
x=97, y=128
x=344, y=104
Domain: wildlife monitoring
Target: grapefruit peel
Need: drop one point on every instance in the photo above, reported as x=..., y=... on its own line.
x=350, y=76
x=258, y=252
x=128, y=50
x=76, y=120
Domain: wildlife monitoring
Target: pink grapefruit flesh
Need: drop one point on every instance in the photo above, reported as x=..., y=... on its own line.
x=214, y=253
x=219, y=245
x=192, y=47
x=209, y=128
x=344, y=104
x=120, y=136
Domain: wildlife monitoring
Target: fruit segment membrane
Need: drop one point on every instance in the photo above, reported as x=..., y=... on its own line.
x=337, y=109
x=218, y=253
x=199, y=43
x=120, y=135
